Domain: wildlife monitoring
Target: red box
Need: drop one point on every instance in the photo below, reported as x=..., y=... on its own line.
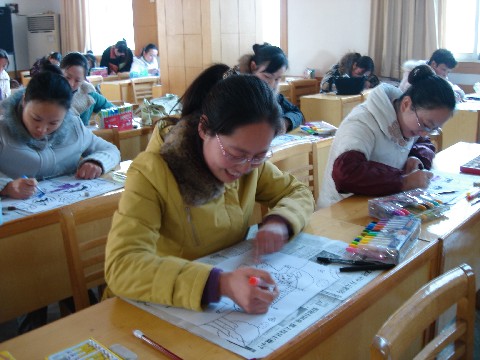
x=120, y=122
x=102, y=71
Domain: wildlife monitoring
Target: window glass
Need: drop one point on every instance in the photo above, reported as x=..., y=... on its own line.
x=461, y=35
x=109, y=21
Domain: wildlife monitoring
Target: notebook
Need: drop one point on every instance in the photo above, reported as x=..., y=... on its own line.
x=349, y=85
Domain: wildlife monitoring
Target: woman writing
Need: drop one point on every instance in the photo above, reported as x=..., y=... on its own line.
x=192, y=193
x=147, y=61
x=86, y=100
x=269, y=63
x=40, y=138
x=382, y=146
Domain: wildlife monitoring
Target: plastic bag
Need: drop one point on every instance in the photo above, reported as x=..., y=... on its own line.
x=159, y=108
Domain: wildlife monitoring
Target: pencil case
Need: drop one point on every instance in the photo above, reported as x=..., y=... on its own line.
x=417, y=203
x=386, y=241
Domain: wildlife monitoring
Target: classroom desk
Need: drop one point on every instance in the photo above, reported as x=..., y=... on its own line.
x=463, y=126
x=458, y=230
x=354, y=323
x=328, y=107
x=122, y=89
x=34, y=270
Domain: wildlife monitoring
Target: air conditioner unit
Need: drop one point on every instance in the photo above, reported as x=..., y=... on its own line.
x=43, y=35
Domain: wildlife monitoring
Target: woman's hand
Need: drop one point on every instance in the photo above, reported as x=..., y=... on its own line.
x=20, y=188
x=413, y=163
x=271, y=236
x=416, y=179
x=89, y=170
x=252, y=299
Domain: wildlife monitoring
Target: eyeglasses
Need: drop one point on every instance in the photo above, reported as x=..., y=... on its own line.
x=240, y=160
x=422, y=126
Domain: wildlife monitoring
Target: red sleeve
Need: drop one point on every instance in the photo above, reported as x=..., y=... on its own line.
x=353, y=173
x=424, y=150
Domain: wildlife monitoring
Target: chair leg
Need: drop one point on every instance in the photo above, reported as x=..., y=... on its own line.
x=477, y=303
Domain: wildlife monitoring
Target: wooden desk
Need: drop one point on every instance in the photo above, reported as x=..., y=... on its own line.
x=34, y=270
x=122, y=89
x=458, y=230
x=329, y=108
x=463, y=126
x=95, y=80
x=353, y=323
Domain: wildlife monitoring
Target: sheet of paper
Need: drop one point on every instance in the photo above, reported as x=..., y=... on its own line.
x=308, y=292
x=58, y=192
x=449, y=187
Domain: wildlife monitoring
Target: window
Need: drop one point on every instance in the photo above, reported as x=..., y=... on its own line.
x=109, y=21
x=462, y=29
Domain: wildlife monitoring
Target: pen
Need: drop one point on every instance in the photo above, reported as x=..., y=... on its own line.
x=256, y=281
x=327, y=260
x=38, y=187
x=367, y=267
x=152, y=343
x=473, y=195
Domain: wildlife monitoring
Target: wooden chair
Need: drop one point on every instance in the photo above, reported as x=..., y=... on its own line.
x=142, y=89
x=297, y=159
x=302, y=87
x=25, y=77
x=398, y=334
x=110, y=135
x=85, y=226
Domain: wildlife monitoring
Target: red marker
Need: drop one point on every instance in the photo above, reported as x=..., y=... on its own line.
x=256, y=281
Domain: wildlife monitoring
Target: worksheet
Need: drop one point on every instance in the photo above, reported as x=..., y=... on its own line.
x=308, y=291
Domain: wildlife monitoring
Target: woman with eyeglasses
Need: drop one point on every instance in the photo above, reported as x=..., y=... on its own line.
x=192, y=192
x=382, y=147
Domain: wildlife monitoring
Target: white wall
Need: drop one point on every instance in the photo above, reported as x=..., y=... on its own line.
x=321, y=31
x=19, y=24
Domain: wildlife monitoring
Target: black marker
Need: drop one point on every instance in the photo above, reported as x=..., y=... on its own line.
x=328, y=260
x=367, y=267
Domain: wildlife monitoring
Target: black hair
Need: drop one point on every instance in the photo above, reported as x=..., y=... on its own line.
x=148, y=47
x=366, y=63
x=428, y=90
x=273, y=55
x=195, y=94
x=75, y=59
x=91, y=60
x=47, y=86
x=55, y=56
x=52, y=68
x=121, y=46
x=230, y=103
x=443, y=56
x=4, y=55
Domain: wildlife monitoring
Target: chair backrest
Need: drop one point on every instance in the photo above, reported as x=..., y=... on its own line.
x=85, y=226
x=302, y=87
x=142, y=89
x=456, y=287
x=110, y=135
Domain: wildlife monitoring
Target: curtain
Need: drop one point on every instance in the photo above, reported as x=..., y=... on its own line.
x=73, y=26
x=404, y=30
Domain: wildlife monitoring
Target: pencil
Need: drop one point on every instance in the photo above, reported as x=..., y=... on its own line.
x=155, y=345
x=328, y=260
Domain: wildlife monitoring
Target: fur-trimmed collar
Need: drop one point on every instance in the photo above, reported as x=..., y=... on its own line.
x=183, y=153
x=81, y=99
x=12, y=110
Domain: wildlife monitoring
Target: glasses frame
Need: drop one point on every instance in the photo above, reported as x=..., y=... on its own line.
x=422, y=126
x=242, y=160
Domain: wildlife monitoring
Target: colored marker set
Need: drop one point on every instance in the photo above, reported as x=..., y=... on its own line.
x=89, y=349
x=319, y=128
x=417, y=203
x=386, y=241
x=120, y=117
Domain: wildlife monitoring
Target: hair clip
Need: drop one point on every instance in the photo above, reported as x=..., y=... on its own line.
x=232, y=71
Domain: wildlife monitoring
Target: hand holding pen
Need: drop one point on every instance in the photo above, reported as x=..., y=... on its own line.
x=21, y=188
x=252, y=298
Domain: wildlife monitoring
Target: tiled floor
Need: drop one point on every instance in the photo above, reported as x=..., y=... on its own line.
x=8, y=330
